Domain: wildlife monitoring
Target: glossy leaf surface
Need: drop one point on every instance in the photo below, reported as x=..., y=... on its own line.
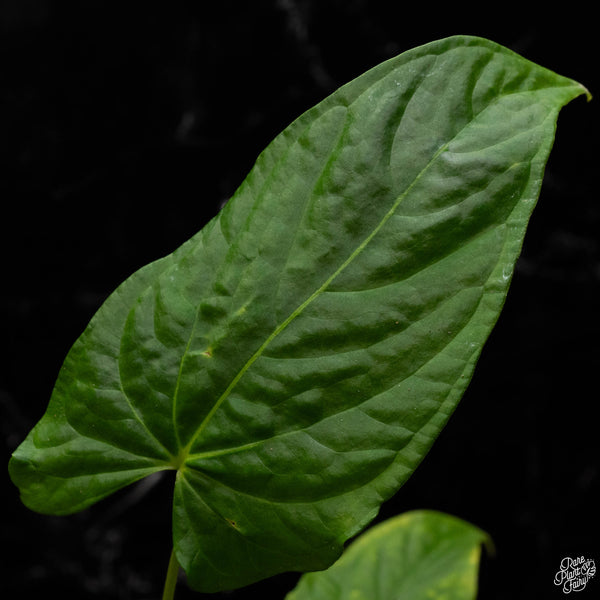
x=295, y=360
x=420, y=555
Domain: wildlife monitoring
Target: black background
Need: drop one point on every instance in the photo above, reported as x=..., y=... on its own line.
x=124, y=126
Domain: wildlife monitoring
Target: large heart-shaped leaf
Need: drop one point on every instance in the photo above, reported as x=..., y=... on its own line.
x=295, y=360
x=420, y=555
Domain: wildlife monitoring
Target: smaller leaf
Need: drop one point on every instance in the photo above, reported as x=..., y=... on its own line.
x=418, y=555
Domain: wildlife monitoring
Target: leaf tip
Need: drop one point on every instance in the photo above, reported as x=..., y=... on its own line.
x=588, y=94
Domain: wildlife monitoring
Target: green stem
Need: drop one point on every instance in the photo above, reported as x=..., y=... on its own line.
x=171, y=580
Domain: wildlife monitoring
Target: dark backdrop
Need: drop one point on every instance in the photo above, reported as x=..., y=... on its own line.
x=125, y=126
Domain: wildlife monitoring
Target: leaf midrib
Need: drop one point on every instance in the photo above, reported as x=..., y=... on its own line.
x=185, y=451
x=306, y=303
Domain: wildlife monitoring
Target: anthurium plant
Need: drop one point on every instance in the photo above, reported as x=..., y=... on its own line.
x=294, y=361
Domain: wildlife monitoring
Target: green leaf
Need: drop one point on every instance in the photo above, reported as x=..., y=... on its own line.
x=420, y=555
x=295, y=360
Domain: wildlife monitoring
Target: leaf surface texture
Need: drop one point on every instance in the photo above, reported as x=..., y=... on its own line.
x=295, y=360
